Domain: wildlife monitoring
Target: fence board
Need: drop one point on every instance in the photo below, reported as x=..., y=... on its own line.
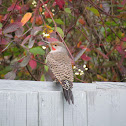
x=76, y=115
x=50, y=109
x=32, y=109
x=12, y=109
x=39, y=86
x=30, y=103
x=3, y=114
x=107, y=108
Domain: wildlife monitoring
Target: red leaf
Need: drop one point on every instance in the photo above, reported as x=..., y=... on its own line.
x=85, y=57
x=0, y=31
x=5, y=17
x=124, y=39
x=123, y=2
x=17, y=7
x=47, y=14
x=84, y=47
x=120, y=50
x=54, y=4
x=60, y=3
x=3, y=41
x=12, y=27
x=32, y=64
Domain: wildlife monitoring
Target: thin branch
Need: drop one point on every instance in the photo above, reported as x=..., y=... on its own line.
x=6, y=46
x=31, y=73
x=50, y=15
x=27, y=31
x=58, y=32
x=39, y=61
x=35, y=14
x=83, y=34
x=80, y=80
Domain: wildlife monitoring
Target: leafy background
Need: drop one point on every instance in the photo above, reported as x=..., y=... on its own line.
x=94, y=32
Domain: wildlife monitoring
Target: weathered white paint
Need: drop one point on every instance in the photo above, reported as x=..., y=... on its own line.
x=50, y=108
x=76, y=115
x=35, y=103
x=107, y=107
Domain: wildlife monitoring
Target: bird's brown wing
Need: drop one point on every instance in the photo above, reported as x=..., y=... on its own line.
x=60, y=65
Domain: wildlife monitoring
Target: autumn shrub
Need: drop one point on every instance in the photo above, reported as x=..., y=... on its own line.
x=93, y=31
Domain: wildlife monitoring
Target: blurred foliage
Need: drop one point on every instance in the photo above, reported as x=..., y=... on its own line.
x=93, y=30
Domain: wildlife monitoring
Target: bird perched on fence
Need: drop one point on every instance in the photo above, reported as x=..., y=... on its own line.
x=59, y=63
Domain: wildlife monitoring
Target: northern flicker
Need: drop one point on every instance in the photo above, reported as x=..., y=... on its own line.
x=59, y=63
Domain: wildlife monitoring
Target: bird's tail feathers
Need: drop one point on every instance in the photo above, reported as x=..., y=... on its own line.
x=67, y=86
x=68, y=95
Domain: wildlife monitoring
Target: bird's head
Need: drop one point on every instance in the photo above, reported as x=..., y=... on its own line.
x=57, y=47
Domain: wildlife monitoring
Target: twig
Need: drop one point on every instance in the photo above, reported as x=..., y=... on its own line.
x=31, y=73
x=50, y=15
x=83, y=34
x=6, y=46
x=35, y=14
x=27, y=31
x=42, y=19
x=58, y=32
x=79, y=80
x=44, y=40
x=39, y=61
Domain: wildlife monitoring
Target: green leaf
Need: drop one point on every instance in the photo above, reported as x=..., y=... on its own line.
x=16, y=51
x=60, y=31
x=49, y=20
x=1, y=25
x=46, y=68
x=67, y=10
x=7, y=53
x=102, y=29
x=111, y=23
x=92, y=9
x=42, y=78
x=37, y=50
x=119, y=34
x=59, y=21
x=5, y=70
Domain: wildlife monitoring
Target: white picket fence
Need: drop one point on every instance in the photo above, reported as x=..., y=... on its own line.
x=35, y=103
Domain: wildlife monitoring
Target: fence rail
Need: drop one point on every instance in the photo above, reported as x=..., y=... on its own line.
x=34, y=103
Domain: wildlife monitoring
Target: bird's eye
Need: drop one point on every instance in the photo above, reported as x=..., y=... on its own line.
x=55, y=45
